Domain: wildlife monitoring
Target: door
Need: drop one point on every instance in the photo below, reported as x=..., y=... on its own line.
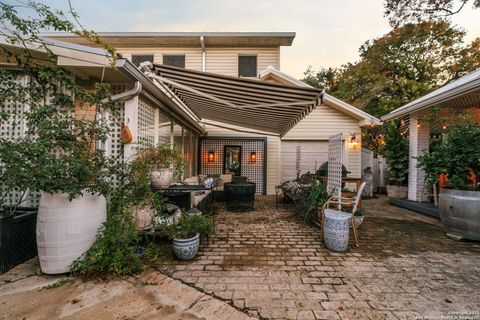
x=232, y=160
x=312, y=155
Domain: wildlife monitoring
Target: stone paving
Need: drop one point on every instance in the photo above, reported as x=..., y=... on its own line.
x=270, y=265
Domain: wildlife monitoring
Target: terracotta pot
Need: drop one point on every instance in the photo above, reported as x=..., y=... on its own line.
x=161, y=179
x=143, y=218
x=397, y=192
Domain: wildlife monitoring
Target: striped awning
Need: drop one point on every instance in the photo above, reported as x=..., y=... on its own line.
x=242, y=102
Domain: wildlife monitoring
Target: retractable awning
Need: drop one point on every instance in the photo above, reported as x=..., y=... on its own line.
x=238, y=101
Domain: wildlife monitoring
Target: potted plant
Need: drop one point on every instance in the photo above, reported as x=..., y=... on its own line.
x=144, y=204
x=458, y=157
x=164, y=163
x=395, y=151
x=53, y=148
x=185, y=234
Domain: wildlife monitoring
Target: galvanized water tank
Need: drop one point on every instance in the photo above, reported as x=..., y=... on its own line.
x=66, y=229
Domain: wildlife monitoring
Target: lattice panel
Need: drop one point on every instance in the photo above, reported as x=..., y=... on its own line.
x=334, y=184
x=14, y=128
x=252, y=170
x=146, y=122
x=114, y=147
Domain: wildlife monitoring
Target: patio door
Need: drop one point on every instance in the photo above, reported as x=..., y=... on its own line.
x=232, y=160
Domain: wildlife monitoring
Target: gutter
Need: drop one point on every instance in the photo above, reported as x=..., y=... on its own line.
x=137, y=89
x=202, y=43
x=171, y=107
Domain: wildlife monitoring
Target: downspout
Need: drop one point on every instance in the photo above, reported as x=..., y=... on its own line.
x=202, y=43
x=137, y=88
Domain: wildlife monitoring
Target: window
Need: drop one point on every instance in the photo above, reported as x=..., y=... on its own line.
x=247, y=66
x=137, y=59
x=174, y=60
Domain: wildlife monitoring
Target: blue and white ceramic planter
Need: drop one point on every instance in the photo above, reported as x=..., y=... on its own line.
x=336, y=230
x=186, y=249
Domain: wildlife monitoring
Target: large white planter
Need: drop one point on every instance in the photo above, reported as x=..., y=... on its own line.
x=67, y=229
x=161, y=179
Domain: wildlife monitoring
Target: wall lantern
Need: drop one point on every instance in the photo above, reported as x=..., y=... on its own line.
x=253, y=156
x=211, y=156
x=354, y=144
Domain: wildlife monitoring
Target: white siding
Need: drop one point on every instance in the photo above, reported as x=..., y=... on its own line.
x=193, y=56
x=273, y=150
x=225, y=60
x=324, y=122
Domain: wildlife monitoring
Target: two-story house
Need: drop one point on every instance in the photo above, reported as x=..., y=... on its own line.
x=266, y=125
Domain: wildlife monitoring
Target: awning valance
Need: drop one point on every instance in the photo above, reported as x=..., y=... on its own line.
x=238, y=101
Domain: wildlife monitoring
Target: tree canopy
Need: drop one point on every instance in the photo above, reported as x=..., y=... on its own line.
x=400, y=66
x=400, y=12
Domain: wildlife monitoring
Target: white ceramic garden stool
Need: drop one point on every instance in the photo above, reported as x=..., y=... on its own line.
x=336, y=229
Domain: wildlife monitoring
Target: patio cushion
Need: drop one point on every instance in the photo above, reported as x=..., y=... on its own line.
x=191, y=181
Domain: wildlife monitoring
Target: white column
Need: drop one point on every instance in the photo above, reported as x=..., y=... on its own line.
x=131, y=119
x=419, y=143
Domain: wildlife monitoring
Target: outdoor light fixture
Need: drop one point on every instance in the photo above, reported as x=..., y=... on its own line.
x=354, y=143
x=253, y=156
x=211, y=156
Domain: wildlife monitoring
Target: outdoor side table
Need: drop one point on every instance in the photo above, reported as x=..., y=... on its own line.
x=336, y=230
x=240, y=197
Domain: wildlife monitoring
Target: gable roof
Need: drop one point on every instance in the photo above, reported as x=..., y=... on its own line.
x=463, y=92
x=365, y=118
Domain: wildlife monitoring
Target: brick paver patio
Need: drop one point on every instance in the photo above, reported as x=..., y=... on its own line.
x=272, y=266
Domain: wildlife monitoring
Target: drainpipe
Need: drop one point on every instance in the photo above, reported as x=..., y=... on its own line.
x=137, y=88
x=202, y=43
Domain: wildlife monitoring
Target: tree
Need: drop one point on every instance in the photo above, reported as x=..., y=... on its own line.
x=400, y=12
x=322, y=79
x=404, y=64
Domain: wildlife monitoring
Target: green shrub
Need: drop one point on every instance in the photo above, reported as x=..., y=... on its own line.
x=396, y=154
x=187, y=226
x=457, y=156
x=316, y=196
x=113, y=251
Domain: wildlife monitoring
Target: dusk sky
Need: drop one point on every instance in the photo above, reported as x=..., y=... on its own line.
x=329, y=33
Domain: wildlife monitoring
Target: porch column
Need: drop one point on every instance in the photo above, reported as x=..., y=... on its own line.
x=419, y=143
x=131, y=120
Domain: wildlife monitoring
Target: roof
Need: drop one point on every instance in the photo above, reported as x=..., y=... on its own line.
x=344, y=107
x=243, y=102
x=463, y=92
x=95, y=63
x=184, y=39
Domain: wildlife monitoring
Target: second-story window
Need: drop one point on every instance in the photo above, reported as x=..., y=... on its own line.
x=139, y=58
x=174, y=60
x=247, y=66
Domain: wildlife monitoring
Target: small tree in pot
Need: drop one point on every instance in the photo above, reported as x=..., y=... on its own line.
x=185, y=234
x=458, y=156
x=164, y=163
x=395, y=151
x=57, y=128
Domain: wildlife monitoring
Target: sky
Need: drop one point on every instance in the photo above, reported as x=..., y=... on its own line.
x=329, y=32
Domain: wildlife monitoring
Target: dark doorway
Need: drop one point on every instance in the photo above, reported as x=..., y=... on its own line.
x=232, y=160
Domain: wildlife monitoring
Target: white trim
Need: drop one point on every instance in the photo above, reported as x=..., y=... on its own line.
x=344, y=107
x=455, y=89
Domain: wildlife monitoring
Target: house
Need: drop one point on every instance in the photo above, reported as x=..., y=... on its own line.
x=461, y=96
x=223, y=100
